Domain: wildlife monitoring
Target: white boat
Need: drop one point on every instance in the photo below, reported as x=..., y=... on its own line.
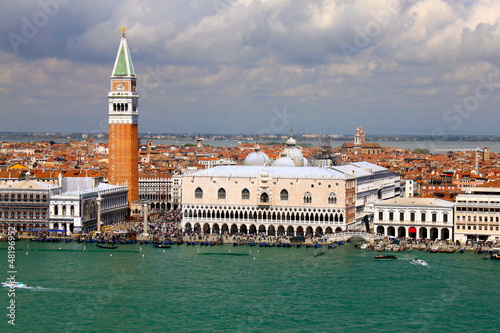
x=419, y=262
x=10, y=284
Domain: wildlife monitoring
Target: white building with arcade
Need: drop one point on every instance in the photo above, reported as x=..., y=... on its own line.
x=422, y=218
x=281, y=197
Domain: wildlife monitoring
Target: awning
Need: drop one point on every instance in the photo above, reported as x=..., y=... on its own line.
x=412, y=230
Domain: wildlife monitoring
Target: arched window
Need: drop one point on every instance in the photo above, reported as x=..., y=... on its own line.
x=221, y=194
x=307, y=198
x=245, y=194
x=332, y=199
x=264, y=197
x=198, y=193
x=284, y=195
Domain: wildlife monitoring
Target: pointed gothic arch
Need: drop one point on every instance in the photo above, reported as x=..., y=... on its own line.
x=284, y=195
x=221, y=194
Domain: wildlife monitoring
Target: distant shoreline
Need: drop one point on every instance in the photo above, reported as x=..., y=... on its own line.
x=48, y=136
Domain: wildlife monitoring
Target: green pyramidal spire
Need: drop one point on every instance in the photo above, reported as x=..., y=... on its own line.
x=123, y=63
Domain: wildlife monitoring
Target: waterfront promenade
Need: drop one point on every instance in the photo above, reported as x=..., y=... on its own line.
x=362, y=240
x=266, y=290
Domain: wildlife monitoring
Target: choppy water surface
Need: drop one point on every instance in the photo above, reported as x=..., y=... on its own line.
x=268, y=290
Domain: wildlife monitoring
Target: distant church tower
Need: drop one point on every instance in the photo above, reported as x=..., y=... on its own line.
x=123, y=124
x=359, y=136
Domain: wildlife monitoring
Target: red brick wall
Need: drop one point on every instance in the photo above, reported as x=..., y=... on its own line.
x=124, y=158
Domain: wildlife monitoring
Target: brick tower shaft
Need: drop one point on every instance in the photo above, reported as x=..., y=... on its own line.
x=123, y=115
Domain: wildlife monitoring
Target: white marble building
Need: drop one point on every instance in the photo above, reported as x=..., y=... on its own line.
x=283, y=197
x=477, y=214
x=414, y=217
x=77, y=210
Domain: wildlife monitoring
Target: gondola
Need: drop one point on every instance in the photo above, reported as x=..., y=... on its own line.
x=162, y=246
x=108, y=246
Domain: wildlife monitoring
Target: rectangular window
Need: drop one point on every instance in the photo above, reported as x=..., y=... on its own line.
x=423, y=217
x=412, y=217
x=434, y=217
x=391, y=216
x=381, y=216
x=445, y=218
x=401, y=216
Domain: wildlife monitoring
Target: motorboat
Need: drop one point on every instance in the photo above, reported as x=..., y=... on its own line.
x=495, y=255
x=434, y=249
x=14, y=284
x=385, y=257
x=419, y=262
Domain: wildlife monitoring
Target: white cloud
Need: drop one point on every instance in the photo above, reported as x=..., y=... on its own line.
x=407, y=58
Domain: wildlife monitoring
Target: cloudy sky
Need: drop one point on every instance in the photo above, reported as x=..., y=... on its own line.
x=255, y=66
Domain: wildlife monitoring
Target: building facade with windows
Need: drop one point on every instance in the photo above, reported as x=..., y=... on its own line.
x=415, y=218
x=24, y=204
x=161, y=193
x=477, y=214
x=373, y=184
x=78, y=210
x=268, y=200
x=73, y=205
x=283, y=197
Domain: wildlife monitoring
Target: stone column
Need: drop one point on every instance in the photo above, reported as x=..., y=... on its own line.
x=99, y=200
x=145, y=217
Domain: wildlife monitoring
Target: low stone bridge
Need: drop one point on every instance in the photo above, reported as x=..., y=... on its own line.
x=346, y=235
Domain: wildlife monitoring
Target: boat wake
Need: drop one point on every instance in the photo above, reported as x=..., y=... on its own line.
x=37, y=288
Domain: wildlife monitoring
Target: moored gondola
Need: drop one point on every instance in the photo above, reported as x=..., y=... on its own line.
x=162, y=246
x=107, y=246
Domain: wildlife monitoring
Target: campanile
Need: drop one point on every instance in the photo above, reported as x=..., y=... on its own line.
x=123, y=116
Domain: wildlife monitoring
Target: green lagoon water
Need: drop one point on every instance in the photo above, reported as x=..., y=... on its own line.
x=268, y=290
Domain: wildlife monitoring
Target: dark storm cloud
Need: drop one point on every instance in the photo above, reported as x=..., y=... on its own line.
x=224, y=64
